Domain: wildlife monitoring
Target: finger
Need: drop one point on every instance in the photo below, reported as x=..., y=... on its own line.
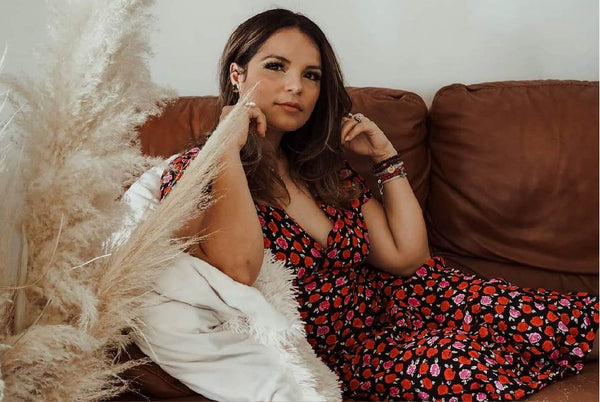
x=254, y=113
x=358, y=129
x=261, y=123
x=346, y=127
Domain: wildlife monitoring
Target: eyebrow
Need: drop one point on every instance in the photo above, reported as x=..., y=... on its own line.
x=281, y=58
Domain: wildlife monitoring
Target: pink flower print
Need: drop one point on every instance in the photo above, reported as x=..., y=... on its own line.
x=514, y=313
x=167, y=178
x=434, y=369
x=356, y=257
x=314, y=252
x=499, y=386
x=324, y=305
x=432, y=340
x=444, y=284
x=459, y=345
x=330, y=210
x=368, y=292
x=194, y=150
x=394, y=391
x=579, y=366
x=453, y=399
x=347, y=299
x=369, y=320
x=413, y=302
x=301, y=272
x=534, y=337
x=350, y=315
x=509, y=359
x=500, y=339
x=513, y=294
x=578, y=352
x=458, y=298
x=586, y=320
x=411, y=369
x=554, y=355
x=464, y=374
x=421, y=271
x=261, y=220
x=332, y=254
x=490, y=361
x=424, y=396
x=366, y=360
x=539, y=306
x=563, y=362
x=281, y=242
x=340, y=281
x=563, y=327
x=480, y=396
x=418, y=324
x=440, y=318
x=323, y=330
x=388, y=365
x=365, y=385
x=468, y=318
x=309, y=287
x=486, y=300
x=564, y=302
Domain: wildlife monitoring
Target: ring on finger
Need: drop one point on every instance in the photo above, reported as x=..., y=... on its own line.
x=250, y=104
x=358, y=117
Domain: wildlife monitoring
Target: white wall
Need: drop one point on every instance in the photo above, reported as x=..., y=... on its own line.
x=416, y=45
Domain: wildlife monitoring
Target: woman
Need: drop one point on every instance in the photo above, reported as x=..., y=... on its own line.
x=390, y=320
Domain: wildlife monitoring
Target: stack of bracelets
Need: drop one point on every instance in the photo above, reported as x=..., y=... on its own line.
x=387, y=170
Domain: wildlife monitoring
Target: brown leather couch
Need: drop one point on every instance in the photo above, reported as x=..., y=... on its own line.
x=506, y=174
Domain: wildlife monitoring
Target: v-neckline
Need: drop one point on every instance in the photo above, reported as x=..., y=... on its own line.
x=315, y=241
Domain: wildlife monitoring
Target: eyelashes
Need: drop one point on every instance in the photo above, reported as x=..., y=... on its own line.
x=278, y=66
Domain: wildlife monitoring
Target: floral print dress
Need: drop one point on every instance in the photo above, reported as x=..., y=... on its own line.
x=438, y=334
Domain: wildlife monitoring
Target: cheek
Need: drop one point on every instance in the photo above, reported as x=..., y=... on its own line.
x=314, y=97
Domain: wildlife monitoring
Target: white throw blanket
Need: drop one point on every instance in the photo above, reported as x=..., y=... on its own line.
x=223, y=339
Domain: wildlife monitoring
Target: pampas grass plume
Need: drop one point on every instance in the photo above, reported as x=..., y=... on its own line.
x=72, y=149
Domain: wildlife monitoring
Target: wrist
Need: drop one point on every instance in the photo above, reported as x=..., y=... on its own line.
x=389, y=152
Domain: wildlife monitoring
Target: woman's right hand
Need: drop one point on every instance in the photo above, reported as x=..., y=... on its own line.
x=253, y=116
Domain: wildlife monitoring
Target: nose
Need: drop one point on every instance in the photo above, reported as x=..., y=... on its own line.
x=293, y=84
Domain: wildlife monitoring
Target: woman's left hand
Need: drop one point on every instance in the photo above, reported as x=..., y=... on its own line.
x=365, y=138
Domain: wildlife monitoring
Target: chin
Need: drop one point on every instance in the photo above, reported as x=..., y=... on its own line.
x=286, y=125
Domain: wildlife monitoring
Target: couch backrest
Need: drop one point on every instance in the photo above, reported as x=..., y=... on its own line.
x=514, y=180
x=513, y=190
x=400, y=114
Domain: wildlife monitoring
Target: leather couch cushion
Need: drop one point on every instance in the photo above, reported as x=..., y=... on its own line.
x=400, y=114
x=514, y=181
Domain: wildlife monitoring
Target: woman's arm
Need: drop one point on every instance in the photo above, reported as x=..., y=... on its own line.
x=234, y=241
x=396, y=228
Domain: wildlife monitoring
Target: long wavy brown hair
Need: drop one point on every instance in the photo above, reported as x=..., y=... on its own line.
x=314, y=150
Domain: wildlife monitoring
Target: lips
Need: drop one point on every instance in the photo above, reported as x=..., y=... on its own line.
x=291, y=106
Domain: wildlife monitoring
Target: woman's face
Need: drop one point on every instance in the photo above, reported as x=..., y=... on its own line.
x=288, y=66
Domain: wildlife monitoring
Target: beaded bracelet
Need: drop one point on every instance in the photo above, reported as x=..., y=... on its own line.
x=386, y=163
x=393, y=171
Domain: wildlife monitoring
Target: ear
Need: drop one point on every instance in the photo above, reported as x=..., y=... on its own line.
x=235, y=73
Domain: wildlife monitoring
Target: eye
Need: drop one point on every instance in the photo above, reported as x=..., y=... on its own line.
x=313, y=75
x=274, y=65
